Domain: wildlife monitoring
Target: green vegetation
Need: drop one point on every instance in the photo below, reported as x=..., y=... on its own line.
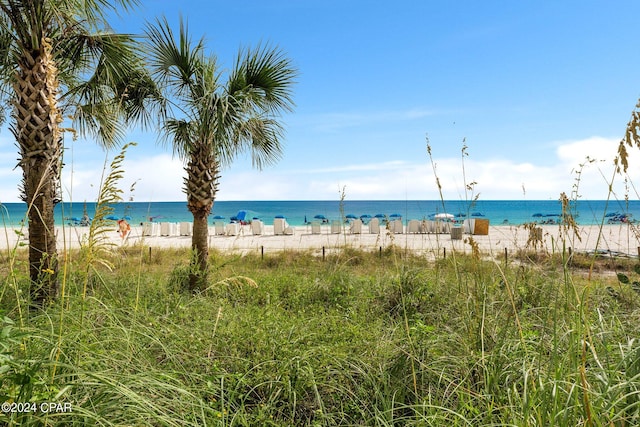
x=358, y=339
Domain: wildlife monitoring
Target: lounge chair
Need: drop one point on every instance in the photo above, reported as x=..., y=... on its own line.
x=356, y=226
x=219, y=228
x=428, y=226
x=374, y=226
x=150, y=229
x=315, y=227
x=168, y=229
x=336, y=227
x=396, y=226
x=257, y=227
x=413, y=226
x=186, y=229
x=443, y=227
x=469, y=225
x=232, y=229
x=281, y=227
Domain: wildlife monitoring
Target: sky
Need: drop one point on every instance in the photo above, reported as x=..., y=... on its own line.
x=539, y=93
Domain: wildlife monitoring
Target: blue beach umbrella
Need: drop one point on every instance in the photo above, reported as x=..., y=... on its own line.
x=351, y=216
x=279, y=216
x=379, y=216
x=112, y=217
x=365, y=218
x=218, y=217
x=320, y=217
x=395, y=215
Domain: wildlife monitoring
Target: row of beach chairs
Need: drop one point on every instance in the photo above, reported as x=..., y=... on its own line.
x=154, y=229
x=167, y=229
x=281, y=227
x=414, y=226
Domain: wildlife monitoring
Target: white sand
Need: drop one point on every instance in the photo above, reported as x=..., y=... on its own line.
x=617, y=238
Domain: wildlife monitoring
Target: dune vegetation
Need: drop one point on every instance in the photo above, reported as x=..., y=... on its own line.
x=358, y=338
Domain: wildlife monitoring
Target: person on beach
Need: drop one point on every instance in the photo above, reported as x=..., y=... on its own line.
x=123, y=228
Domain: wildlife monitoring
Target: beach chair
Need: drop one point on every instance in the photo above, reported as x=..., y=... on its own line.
x=468, y=225
x=278, y=226
x=232, y=229
x=356, y=226
x=374, y=226
x=442, y=227
x=396, y=226
x=315, y=227
x=281, y=227
x=218, y=228
x=168, y=229
x=336, y=227
x=257, y=227
x=150, y=229
x=186, y=228
x=429, y=226
x=413, y=226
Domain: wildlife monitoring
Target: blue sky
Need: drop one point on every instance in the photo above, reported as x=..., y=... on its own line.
x=532, y=87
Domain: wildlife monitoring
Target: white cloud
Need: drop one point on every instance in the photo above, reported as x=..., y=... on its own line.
x=160, y=178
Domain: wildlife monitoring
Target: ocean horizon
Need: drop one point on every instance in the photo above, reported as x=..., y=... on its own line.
x=297, y=212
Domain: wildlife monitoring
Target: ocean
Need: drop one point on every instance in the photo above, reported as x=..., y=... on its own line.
x=513, y=212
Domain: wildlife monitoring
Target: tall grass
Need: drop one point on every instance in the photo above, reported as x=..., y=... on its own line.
x=357, y=338
x=346, y=341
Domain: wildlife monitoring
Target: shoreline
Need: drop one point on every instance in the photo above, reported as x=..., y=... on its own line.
x=616, y=238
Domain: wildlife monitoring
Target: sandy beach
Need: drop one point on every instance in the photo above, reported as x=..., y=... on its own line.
x=619, y=238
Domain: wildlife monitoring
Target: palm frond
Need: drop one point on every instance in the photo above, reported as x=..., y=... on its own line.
x=266, y=77
x=174, y=62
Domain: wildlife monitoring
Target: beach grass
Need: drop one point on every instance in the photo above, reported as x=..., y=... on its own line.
x=359, y=338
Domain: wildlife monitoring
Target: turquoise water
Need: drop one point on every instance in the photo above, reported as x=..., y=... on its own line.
x=497, y=211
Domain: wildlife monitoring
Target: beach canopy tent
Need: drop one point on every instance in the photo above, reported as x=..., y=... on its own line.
x=240, y=216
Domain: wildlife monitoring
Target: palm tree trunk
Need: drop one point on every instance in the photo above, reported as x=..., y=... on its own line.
x=38, y=135
x=201, y=185
x=200, y=247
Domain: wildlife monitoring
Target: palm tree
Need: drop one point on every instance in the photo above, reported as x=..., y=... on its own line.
x=57, y=59
x=209, y=121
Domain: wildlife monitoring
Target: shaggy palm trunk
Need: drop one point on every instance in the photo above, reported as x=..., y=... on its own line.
x=37, y=132
x=201, y=187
